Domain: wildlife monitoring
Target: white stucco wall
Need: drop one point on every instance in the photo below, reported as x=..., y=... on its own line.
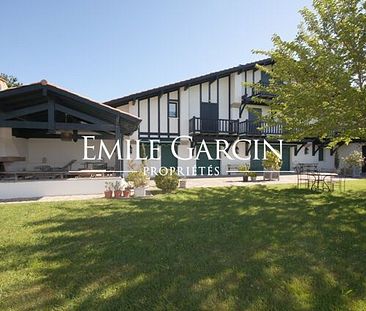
x=301, y=157
x=13, y=147
x=194, y=101
x=42, y=188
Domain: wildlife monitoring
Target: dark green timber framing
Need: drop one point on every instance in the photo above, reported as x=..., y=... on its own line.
x=47, y=110
x=187, y=83
x=167, y=157
x=256, y=165
x=205, y=162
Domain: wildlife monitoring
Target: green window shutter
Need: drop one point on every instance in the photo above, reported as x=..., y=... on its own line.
x=321, y=154
x=145, y=151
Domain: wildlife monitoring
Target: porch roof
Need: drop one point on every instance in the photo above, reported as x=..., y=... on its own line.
x=45, y=108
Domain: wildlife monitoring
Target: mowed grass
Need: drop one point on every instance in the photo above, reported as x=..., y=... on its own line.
x=240, y=248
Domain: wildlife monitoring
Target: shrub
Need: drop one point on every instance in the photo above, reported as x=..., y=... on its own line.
x=272, y=162
x=167, y=180
x=138, y=178
x=354, y=159
x=244, y=168
x=252, y=174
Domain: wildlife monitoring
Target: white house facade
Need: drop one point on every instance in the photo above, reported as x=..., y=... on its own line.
x=217, y=106
x=42, y=127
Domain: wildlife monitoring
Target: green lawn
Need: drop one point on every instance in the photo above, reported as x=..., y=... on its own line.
x=256, y=248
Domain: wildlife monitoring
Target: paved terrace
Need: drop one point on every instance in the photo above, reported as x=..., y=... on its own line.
x=191, y=183
x=228, y=181
x=235, y=181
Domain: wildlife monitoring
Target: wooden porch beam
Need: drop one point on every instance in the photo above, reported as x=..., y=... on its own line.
x=119, y=137
x=297, y=150
x=23, y=112
x=51, y=116
x=78, y=114
x=248, y=148
x=84, y=126
x=333, y=150
x=315, y=149
x=58, y=125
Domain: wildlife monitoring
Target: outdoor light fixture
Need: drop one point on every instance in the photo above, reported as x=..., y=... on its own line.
x=66, y=136
x=74, y=136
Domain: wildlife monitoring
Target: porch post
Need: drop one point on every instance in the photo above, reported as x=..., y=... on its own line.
x=119, y=137
x=51, y=117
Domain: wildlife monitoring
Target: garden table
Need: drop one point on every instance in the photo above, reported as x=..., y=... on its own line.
x=320, y=179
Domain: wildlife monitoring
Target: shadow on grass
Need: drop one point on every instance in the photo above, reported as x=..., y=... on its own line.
x=236, y=248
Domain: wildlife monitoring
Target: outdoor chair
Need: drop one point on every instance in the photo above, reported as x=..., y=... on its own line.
x=66, y=167
x=302, y=178
x=338, y=182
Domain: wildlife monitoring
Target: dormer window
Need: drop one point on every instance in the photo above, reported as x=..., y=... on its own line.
x=173, y=109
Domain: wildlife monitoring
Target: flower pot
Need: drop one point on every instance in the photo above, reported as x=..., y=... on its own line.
x=356, y=171
x=269, y=175
x=117, y=194
x=253, y=178
x=108, y=194
x=182, y=184
x=126, y=193
x=140, y=192
x=245, y=178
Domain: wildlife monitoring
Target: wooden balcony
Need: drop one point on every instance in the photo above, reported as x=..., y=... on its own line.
x=259, y=128
x=219, y=126
x=198, y=126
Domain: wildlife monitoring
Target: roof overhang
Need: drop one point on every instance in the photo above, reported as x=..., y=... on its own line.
x=187, y=83
x=43, y=106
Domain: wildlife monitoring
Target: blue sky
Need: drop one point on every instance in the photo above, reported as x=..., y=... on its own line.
x=108, y=49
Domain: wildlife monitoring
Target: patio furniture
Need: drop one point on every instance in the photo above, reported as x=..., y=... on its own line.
x=271, y=175
x=66, y=167
x=321, y=180
x=306, y=167
x=94, y=165
x=233, y=169
x=91, y=173
x=339, y=182
x=31, y=175
x=302, y=170
x=302, y=179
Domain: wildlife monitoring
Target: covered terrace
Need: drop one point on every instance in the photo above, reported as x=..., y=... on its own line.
x=41, y=126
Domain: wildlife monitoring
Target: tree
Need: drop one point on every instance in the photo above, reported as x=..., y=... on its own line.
x=11, y=81
x=319, y=78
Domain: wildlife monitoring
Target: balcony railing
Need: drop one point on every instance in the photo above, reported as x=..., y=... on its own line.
x=232, y=127
x=259, y=128
x=205, y=126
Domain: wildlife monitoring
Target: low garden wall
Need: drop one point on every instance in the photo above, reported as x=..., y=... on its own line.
x=41, y=188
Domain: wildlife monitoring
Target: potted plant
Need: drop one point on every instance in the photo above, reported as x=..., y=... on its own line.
x=354, y=162
x=253, y=176
x=272, y=165
x=127, y=191
x=140, y=181
x=244, y=169
x=183, y=183
x=108, y=190
x=117, y=189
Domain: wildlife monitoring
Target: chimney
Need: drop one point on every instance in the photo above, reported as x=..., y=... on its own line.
x=3, y=85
